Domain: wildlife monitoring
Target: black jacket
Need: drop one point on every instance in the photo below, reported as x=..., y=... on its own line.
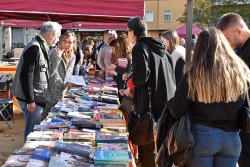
x=161, y=73
x=244, y=160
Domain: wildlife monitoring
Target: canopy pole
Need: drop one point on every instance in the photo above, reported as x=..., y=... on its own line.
x=189, y=17
x=1, y=43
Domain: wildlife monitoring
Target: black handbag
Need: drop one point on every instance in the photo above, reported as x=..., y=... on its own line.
x=243, y=118
x=141, y=128
x=176, y=147
x=126, y=107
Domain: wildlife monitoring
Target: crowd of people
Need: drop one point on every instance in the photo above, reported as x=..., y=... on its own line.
x=215, y=82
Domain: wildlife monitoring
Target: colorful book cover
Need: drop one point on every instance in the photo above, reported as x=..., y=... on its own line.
x=112, y=156
x=112, y=146
x=73, y=147
x=49, y=125
x=42, y=154
x=102, y=115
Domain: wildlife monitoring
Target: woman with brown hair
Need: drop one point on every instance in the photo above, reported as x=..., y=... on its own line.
x=122, y=50
x=90, y=56
x=176, y=51
x=215, y=85
x=61, y=63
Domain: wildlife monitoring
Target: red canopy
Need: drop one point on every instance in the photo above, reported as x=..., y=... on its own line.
x=181, y=31
x=87, y=11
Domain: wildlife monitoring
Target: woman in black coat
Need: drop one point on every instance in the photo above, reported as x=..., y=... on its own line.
x=161, y=73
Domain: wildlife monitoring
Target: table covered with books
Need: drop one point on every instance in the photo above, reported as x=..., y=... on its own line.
x=84, y=129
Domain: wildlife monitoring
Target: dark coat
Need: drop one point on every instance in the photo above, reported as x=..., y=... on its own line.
x=244, y=160
x=161, y=73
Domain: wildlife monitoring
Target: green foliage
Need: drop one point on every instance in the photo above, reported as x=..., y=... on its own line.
x=207, y=13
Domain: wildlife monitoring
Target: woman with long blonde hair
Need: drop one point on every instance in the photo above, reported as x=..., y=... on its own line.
x=215, y=85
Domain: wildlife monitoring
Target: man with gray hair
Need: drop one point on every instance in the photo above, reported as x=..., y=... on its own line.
x=31, y=82
x=104, y=58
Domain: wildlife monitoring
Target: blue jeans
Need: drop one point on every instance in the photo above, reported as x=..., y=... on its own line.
x=215, y=147
x=31, y=119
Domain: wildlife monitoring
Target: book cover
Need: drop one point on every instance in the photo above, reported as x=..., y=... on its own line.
x=112, y=155
x=56, y=161
x=51, y=136
x=35, y=136
x=34, y=144
x=42, y=154
x=50, y=125
x=111, y=165
x=23, y=151
x=111, y=139
x=113, y=122
x=58, y=119
x=79, y=115
x=112, y=146
x=103, y=115
x=73, y=147
x=36, y=163
x=18, y=160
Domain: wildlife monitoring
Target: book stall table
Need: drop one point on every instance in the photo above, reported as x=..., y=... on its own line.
x=84, y=129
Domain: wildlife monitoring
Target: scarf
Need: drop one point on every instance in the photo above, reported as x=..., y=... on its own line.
x=67, y=56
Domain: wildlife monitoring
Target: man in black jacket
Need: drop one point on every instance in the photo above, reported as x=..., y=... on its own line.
x=238, y=35
x=31, y=84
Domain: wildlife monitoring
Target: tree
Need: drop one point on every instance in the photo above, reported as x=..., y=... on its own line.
x=207, y=13
x=202, y=14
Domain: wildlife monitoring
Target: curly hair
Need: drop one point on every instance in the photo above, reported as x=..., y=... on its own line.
x=123, y=46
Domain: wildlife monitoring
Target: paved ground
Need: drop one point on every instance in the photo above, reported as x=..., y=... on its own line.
x=11, y=139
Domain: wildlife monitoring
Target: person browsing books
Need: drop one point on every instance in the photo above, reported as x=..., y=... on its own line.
x=31, y=83
x=61, y=61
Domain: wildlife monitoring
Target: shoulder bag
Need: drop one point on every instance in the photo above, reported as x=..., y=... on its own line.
x=243, y=117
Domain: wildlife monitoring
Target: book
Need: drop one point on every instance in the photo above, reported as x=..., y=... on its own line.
x=42, y=154
x=51, y=136
x=84, y=123
x=112, y=157
x=113, y=122
x=111, y=115
x=111, y=139
x=111, y=165
x=73, y=147
x=36, y=163
x=23, y=151
x=34, y=144
x=79, y=115
x=122, y=62
x=17, y=160
x=49, y=125
x=112, y=146
x=79, y=137
x=56, y=161
x=34, y=136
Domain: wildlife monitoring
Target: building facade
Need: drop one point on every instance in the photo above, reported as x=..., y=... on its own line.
x=162, y=15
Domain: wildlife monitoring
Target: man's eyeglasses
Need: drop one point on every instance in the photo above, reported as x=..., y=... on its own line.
x=65, y=42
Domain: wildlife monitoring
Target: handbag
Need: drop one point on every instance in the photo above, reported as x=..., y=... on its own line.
x=141, y=128
x=42, y=96
x=126, y=107
x=174, y=139
x=243, y=118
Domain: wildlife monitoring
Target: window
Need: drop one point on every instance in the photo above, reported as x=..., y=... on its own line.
x=167, y=15
x=149, y=16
